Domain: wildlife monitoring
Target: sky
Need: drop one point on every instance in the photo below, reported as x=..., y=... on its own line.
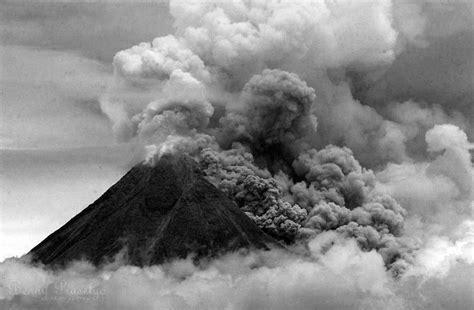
x=350, y=123
x=57, y=150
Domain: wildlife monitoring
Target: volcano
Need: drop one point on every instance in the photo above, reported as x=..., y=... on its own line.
x=151, y=215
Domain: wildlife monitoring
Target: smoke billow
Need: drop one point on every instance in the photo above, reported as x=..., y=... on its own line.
x=285, y=108
x=275, y=111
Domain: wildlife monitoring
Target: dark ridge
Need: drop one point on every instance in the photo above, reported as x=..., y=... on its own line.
x=154, y=214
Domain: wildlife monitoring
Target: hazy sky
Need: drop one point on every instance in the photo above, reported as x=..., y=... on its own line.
x=57, y=151
x=294, y=82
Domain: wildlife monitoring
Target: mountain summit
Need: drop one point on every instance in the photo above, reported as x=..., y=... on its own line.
x=154, y=213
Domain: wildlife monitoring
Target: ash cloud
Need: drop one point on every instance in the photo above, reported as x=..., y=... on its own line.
x=293, y=110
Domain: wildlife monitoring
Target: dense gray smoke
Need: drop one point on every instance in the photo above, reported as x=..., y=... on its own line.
x=286, y=108
x=275, y=111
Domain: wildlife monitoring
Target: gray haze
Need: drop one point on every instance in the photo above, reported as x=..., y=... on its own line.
x=343, y=126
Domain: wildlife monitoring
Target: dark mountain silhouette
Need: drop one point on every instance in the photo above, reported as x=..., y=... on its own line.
x=154, y=214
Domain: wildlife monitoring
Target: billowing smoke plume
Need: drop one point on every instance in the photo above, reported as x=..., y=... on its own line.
x=275, y=112
x=285, y=106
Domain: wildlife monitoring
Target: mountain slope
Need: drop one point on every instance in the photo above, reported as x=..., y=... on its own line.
x=154, y=214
